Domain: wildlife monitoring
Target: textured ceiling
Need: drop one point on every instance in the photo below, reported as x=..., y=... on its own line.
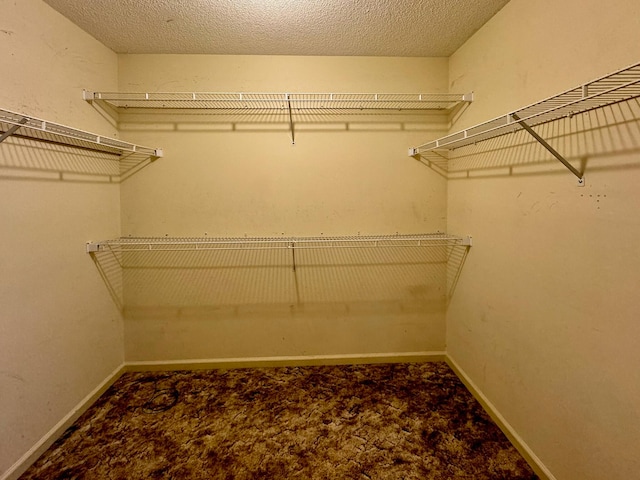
x=281, y=27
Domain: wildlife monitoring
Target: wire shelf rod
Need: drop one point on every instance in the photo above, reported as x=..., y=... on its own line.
x=616, y=87
x=505, y=122
x=292, y=247
x=13, y=123
x=219, y=244
x=281, y=101
x=260, y=240
x=233, y=96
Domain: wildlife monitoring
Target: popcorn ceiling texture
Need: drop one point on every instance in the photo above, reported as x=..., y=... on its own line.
x=414, y=28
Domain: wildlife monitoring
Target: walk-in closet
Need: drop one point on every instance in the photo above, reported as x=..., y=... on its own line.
x=265, y=239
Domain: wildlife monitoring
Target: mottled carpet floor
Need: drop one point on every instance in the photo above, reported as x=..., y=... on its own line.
x=391, y=421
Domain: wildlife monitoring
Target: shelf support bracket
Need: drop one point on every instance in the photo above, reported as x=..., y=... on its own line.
x=292, y=245
x=552, y=150
x=293, y=135
x=13, y=129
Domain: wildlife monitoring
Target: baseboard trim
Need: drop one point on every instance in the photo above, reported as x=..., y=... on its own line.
x=532, y=459
x=52, y=435
x=47, y=440
x=293, y=361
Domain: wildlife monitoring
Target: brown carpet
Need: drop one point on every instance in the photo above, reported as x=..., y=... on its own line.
x=392, y=421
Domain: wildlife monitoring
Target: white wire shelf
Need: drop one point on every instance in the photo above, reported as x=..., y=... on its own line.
x=24, y=126
x=281, y=101
x=618, y=86
x=163, y=244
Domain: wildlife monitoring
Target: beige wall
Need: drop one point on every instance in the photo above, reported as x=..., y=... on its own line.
x=237, y=176
x=344, y=175
x=60, y=334
x=544, y=319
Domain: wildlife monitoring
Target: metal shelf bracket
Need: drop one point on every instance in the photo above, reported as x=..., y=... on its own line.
x=291, y=128
x=544, y=143
x=13, y=129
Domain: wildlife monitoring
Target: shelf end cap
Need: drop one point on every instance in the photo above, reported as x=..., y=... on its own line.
x=92, y=247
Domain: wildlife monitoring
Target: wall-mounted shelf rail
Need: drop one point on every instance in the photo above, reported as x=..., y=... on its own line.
x=24, y=126
x=163, y=244
x=618, y=86
x=281, y=101
x=287, y=104
x=203, y=271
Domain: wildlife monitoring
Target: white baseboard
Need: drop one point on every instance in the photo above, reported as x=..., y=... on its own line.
x=18, y=468
x=532, y=459
x=52, y=435
x=47, y=440
x=306, y=360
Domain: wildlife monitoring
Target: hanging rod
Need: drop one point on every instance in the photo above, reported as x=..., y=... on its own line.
x=281, y=101
x=153, y=244
x=25, y=126
x=616, y=87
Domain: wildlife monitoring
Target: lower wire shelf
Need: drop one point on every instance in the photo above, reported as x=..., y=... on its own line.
x=153, y=244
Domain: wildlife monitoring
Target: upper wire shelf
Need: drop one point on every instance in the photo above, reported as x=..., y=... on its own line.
x=616, y=87
x=152, y=244
x=281, y=101
x=24, y=126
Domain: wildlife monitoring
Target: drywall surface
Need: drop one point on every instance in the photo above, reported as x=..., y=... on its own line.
x=60, y=333
x=239, y=174
x=544, y=318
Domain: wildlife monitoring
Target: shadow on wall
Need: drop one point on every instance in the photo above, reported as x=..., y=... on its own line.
x=27, y=159
x=43, y=159
x=590, y=142
x=350, y=279
x=280, y=120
